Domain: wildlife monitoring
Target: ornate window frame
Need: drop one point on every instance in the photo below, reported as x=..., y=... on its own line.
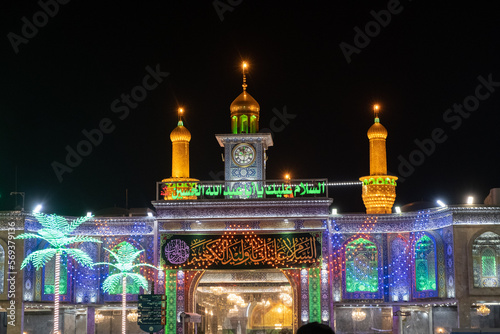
x=379, y=294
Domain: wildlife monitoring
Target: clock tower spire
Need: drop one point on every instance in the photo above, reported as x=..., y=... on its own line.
x=245, y=148
x=244, y=109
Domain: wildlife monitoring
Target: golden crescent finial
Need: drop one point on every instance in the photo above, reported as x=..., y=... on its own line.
x=180, y=112
x=376, y=110
x=244, y=67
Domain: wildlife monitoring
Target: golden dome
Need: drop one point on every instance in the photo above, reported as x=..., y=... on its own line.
x=180, y=133
x=377, y=131
x=244, y=104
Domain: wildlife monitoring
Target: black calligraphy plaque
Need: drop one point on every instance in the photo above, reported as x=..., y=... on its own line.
x=151, y=312
x=242, y=250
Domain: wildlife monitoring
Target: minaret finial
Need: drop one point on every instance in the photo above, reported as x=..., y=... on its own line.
x=244, y=67
x=180, y=112
x=376, y=109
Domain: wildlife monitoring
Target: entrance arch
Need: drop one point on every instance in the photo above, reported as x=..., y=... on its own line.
x=245, y=301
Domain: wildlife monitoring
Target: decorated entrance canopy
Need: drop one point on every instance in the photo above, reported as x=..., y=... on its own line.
x=243, y=189
x=245, y=250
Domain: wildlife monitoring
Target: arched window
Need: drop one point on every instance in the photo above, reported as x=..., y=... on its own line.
x=234, y=124
x=253, y=124
x=425, y=264
x=244, y=123
x=361, y=266
x=2, y=269
x=485, y=252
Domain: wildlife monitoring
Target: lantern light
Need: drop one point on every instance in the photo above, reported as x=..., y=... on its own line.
x=133, y=316
x=358, y=314
x=483, y=310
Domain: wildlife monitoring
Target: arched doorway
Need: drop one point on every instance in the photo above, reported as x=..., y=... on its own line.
x=244, y=302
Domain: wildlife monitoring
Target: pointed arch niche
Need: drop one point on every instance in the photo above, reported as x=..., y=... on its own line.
x=362, y=276
x=425, y=266
x=485, y=257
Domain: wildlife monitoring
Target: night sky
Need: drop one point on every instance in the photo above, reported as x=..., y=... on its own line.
x=68, y=76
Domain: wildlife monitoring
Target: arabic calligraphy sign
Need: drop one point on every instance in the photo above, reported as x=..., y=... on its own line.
x=243, y=189
x=241, y=251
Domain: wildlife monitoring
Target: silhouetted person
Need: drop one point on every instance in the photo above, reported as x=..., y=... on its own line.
x=315, y=328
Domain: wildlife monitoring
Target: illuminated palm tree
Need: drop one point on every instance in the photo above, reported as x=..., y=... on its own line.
x=125, y=256
x=56, y=231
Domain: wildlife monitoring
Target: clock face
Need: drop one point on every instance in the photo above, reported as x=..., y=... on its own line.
x=243, y=155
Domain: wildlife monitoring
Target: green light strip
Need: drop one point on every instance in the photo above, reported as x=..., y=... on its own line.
x=171, y=307
x=314, y=295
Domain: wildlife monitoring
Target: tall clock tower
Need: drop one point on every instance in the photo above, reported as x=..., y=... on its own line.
x=244, y=148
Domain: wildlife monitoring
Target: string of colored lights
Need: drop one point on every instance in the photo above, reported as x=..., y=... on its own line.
x=124, y=304
x=56, y=292
x=346, y=259
x=216, y=251
x=398, y=266
x=87, y=280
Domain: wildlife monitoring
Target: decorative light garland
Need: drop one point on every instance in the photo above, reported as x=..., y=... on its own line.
x=395, y=275
x=56, y=293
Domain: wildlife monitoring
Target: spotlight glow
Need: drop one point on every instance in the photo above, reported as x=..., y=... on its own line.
x=441, y=203
x=38, y=208
x=470, y=200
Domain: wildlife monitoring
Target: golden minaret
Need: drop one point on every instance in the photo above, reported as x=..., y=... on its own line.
x=180, y=181
x=379, y=189
x=244, y=109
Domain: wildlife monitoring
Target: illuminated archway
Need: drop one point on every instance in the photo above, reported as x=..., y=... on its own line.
x=244, y=300
x=425, y=264
x=361, y=266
